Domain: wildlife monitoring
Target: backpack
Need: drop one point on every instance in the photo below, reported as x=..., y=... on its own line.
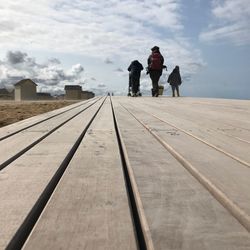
x=156, y=61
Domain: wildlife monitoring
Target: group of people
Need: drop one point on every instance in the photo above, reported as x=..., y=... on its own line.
x=154, y=69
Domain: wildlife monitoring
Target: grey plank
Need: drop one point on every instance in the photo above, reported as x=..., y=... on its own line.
x=6, y=130
x=229, y=176
x=212, y=133
x=181, y=213
x=22, y=182
x=89, y=209
x=233, y=121
x=14, y=144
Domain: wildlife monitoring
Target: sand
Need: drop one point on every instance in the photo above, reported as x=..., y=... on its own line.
x=11, y=111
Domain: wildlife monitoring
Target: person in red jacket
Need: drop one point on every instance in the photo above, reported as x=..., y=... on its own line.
x=155, y=66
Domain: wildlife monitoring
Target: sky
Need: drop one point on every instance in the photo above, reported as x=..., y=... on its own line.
x=92, y=43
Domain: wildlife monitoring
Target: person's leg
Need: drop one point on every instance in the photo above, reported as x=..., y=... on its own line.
x=155, y=79
x=177, y=90
x=133, y=81
x=152, y=79
x=137, y=82
x=173, y=88
x=156, y=87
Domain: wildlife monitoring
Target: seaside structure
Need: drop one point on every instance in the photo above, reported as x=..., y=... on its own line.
x=25, y=90
x=74, y=92
x=87, y=95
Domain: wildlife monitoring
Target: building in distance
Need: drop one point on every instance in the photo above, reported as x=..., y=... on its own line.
x=74, y=92
x=25, y=90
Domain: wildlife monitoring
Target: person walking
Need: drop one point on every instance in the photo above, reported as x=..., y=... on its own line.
x=134, y=69
x=175, y=81
x=155, y=66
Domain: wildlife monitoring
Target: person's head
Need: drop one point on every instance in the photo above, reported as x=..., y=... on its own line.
x=155, y=49
x=177, y=68
x=135, y=62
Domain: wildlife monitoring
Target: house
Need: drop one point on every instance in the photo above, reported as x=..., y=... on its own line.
x=87, y=95
x=25, y=90
x=73, y=92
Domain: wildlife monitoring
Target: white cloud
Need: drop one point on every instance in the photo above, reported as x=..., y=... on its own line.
x=119, y=70
x=112, y=31
x=98, y=28
x=108, y=61
x=50, y=75
x=231, y=22
x=101, y=85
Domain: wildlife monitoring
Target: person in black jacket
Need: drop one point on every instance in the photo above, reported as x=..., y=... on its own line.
x=155, y=66
x=134, y=69
x=174, y=80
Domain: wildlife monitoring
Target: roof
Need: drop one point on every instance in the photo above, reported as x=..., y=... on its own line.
x=24, y=81
x=72, y=87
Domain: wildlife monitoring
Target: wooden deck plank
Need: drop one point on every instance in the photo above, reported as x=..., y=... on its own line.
x=233, y=122
x=89, y=209
x=181, y=213
x=209, y=132
x=12, y=145
x=6, y=130
x=228, y=175
x=223, y=107
x=22, y=182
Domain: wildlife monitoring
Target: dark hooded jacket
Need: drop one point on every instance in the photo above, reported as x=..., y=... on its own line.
x=175, y=77
x=135, y=68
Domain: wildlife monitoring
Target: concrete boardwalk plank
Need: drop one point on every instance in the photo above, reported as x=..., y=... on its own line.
x=14, y=144
x=211, y=132
x=181, y=213
x=89, y=209
x=22, y=182
x=228, y=175
x=6, y=130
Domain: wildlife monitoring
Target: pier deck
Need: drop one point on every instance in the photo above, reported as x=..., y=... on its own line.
x=128, y=173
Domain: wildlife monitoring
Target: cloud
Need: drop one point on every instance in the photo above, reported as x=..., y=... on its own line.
x=97, y=28
x=99, y=91
x=230, y=23
x=119, y=70
x=110, y=31
x=50, y=75
x=77, y=69
x=54, y=61
x=16, y=57
x=101, y=85
x=108, y=61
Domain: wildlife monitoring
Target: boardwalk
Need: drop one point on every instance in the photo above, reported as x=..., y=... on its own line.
x=128, y=173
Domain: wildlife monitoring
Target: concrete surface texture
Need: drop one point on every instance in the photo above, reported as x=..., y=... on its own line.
x=128, y=173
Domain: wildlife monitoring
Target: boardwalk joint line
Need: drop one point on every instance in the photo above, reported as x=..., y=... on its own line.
x=26, y=227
